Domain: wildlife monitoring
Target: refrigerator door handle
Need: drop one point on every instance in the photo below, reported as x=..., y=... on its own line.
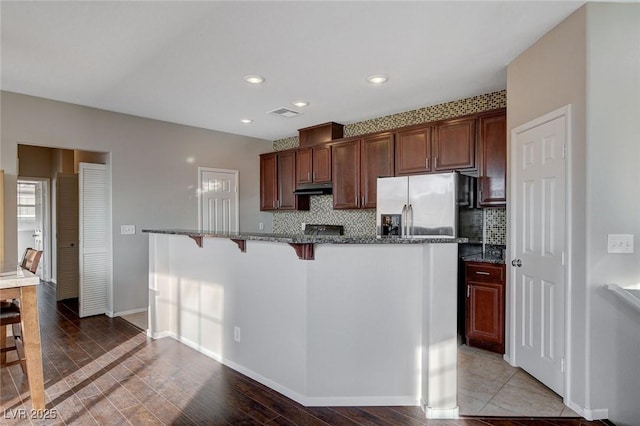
x=404, y=221
x=410, y=219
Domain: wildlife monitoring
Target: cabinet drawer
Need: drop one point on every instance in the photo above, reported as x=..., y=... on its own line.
x=487, y=272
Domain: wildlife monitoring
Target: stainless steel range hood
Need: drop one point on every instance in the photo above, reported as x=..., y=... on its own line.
x=314, y=189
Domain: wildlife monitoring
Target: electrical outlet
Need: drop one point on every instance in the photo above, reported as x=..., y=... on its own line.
x=236, y=334
x=127, y=229
x=260, y=226
x=620, y=243
x=303, y=225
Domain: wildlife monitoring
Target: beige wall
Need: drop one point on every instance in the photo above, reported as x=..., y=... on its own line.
x=153, y=185
x=592, y=61
x=547, y=76
x=613, y=204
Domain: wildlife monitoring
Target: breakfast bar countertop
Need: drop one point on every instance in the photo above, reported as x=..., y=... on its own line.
x=307, y=239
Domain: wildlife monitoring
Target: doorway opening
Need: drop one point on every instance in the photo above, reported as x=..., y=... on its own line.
x=50, y=219
x=33, y=221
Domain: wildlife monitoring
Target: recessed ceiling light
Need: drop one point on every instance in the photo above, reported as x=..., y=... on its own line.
x=377, y=79
x=300, y=104
x=246, y=121
x=254, y=79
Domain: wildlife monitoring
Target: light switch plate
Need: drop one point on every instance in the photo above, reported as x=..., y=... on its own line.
x=127, y=229
x=620, y=243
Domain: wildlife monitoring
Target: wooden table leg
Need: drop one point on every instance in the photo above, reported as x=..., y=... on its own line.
x=32, y=348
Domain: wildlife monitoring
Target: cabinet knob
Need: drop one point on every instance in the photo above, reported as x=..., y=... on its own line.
x=516, y=262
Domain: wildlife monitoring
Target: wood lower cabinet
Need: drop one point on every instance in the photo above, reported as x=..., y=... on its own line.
x=413, y=151
x=313, y=165
x=492, y=168
x=485, y=305
x=356, y=165
x=278, y=181
x=454, y=145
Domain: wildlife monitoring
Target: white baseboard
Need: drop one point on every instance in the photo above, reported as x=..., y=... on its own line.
x=132, y=311
x=589, y=414
x=289, y=393
x=440, y=413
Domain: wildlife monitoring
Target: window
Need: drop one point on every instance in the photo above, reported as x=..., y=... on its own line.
x=26, y=205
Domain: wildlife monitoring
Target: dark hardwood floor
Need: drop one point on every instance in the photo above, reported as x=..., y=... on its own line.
x=104, y=371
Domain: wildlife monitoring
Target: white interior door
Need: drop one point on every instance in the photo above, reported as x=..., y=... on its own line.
x=218, y=200
x=538, y=247
x=95, y=239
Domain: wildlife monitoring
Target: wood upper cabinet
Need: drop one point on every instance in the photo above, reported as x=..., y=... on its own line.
x=454, y=145
x=376, y=160
x=346, y=174
x=485, y=305
x=278, y=181
x=286, y=181
x=492, y=169
x=268, y=181
x=313, y=165
x=413, y=151
x=357, y=164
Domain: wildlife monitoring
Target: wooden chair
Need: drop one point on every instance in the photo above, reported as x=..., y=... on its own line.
x=10, y=316
x=31, y=259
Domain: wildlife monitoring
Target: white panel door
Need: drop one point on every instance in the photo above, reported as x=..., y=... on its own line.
x=95, y=239
x=538, y=248
x=218, y=200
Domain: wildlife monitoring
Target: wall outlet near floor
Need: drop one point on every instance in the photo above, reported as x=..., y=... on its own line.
x=127, y=229
x=260, y=226
x=620, y=243
x=236, y=334
x=303, y=225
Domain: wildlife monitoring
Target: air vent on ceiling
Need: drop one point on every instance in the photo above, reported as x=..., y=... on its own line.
x=284, y=112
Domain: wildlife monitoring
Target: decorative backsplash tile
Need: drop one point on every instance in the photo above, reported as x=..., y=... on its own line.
x=495, y=224
x=451, y=109
x=466, y=106
x=363, y=222
x=355, y=222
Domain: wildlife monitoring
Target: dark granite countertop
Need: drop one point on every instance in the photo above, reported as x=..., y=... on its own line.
x=486, y=258
x=307, y=239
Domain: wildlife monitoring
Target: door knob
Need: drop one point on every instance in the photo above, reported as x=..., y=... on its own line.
x=516, y=262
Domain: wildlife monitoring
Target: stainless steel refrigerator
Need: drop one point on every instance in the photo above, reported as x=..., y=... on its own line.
x=422, y=205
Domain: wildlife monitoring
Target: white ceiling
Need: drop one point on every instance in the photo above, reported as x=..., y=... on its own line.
x=184, y=62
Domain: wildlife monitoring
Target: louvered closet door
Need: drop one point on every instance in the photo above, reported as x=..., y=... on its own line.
x=95, y=239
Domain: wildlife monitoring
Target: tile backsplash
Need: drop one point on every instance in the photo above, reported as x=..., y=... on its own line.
x=355, y=222
x=363, y=222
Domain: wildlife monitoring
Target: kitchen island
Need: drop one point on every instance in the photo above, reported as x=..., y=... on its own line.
x=324, y=320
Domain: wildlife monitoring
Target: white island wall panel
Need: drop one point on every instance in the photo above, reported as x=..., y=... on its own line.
x=364, y=324
x=354, y=326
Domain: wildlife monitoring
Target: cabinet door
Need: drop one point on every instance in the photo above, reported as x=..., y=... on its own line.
x=376, y=161
x=268, y=181
x=413, y=151
x=485, y=293
x=346, y=174
x=485, y=315
x=304, y=166
x=493, y=160
x=321, y=164
x=286, y=181
x=455, y=145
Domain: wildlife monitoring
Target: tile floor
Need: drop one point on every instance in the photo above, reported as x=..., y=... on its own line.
x=487, y=385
